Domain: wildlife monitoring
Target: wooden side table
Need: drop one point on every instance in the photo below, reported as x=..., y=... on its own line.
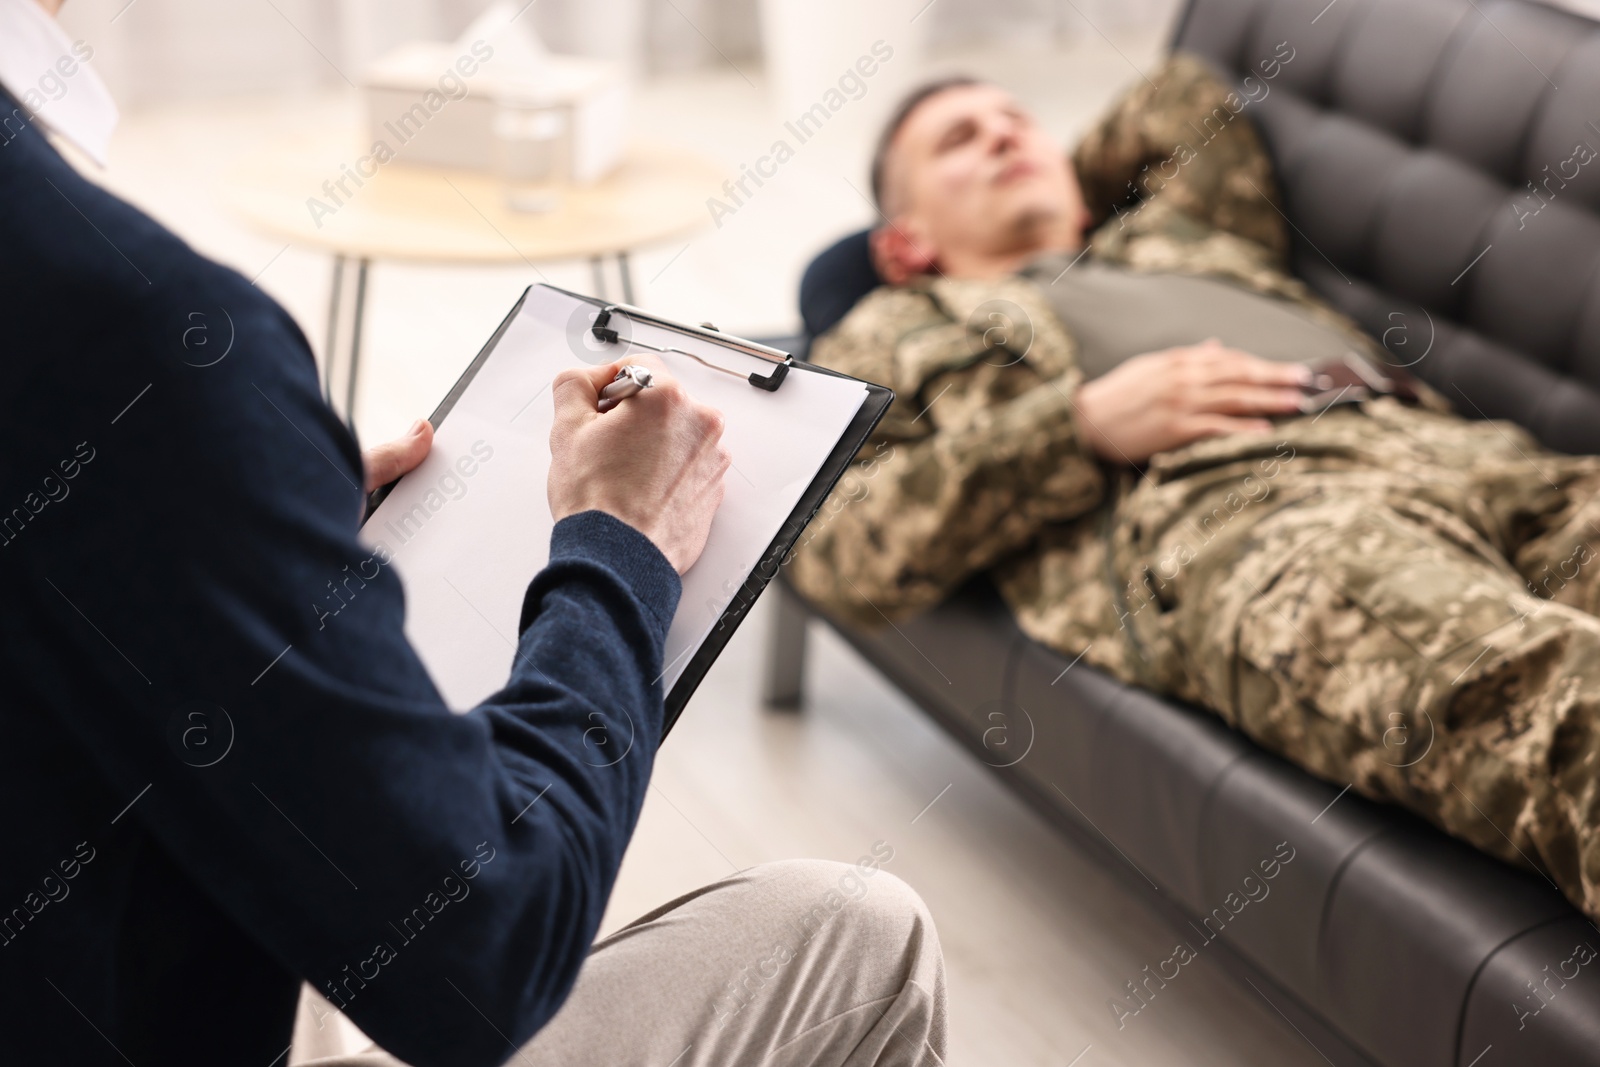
x=434, y=215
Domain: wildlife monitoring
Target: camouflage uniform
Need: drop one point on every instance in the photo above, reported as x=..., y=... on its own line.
x=1390, y=596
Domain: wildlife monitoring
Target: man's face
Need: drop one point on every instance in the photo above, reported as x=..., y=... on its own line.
x=973, y=171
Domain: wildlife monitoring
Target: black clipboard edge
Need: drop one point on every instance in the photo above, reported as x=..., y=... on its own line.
x=861, y=425
x=375, y=497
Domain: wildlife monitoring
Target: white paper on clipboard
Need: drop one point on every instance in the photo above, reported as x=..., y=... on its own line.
x=470, y=527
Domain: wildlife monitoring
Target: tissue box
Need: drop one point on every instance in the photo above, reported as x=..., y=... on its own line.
x=435, y=105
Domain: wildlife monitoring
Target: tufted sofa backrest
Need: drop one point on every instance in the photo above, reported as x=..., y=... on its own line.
x=1440, y=163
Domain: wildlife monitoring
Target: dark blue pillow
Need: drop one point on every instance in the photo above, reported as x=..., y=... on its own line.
x=835, y=282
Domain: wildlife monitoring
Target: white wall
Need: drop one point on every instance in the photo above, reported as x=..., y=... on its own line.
x=156, y=51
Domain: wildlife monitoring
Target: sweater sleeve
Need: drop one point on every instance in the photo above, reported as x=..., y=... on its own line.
x=438, y=877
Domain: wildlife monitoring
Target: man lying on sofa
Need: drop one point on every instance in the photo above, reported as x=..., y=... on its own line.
x=1102, y=406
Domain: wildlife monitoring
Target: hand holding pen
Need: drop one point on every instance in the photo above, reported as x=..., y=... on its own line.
x=657, y=464
x=630, y=379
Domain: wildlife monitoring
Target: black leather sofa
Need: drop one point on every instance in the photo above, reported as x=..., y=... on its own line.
x=1406, y=134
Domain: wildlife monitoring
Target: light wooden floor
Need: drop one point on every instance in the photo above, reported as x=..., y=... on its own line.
x=1037, y=937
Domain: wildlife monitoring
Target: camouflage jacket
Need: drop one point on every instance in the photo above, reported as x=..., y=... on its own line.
x=977, y=466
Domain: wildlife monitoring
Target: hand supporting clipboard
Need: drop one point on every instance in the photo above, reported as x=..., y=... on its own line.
x=466, y=562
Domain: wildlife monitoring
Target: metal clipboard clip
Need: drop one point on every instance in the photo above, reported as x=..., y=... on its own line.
x=603, y=331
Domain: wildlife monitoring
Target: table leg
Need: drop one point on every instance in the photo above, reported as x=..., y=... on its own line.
x=330, y=352
x=625, y=270
x=597, y=265
x=355, y=341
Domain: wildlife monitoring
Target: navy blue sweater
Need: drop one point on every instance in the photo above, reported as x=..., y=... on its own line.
x=209, y=791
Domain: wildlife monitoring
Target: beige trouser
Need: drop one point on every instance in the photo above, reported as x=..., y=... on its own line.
x=803, y=962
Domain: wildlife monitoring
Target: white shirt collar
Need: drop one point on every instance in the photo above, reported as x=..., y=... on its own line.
x=46, y=71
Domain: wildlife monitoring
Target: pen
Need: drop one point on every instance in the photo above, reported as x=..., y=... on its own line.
x=629, y=380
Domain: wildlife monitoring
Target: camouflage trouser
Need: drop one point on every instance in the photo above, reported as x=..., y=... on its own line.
x=1415, y=617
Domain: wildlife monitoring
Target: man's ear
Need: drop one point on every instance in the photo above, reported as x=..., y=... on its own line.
x=900, y=252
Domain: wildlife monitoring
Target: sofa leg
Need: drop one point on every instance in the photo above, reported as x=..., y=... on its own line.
x=783, y=672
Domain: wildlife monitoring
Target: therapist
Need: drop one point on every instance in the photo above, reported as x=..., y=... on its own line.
x=213, y=789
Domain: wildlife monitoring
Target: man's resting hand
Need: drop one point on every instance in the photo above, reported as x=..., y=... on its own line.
x=1167, y=399
x=654, y=461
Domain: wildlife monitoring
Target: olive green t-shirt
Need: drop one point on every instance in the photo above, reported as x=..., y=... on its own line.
x=1115, y=313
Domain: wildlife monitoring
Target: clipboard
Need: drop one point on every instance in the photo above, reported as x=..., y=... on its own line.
x=766, y=370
